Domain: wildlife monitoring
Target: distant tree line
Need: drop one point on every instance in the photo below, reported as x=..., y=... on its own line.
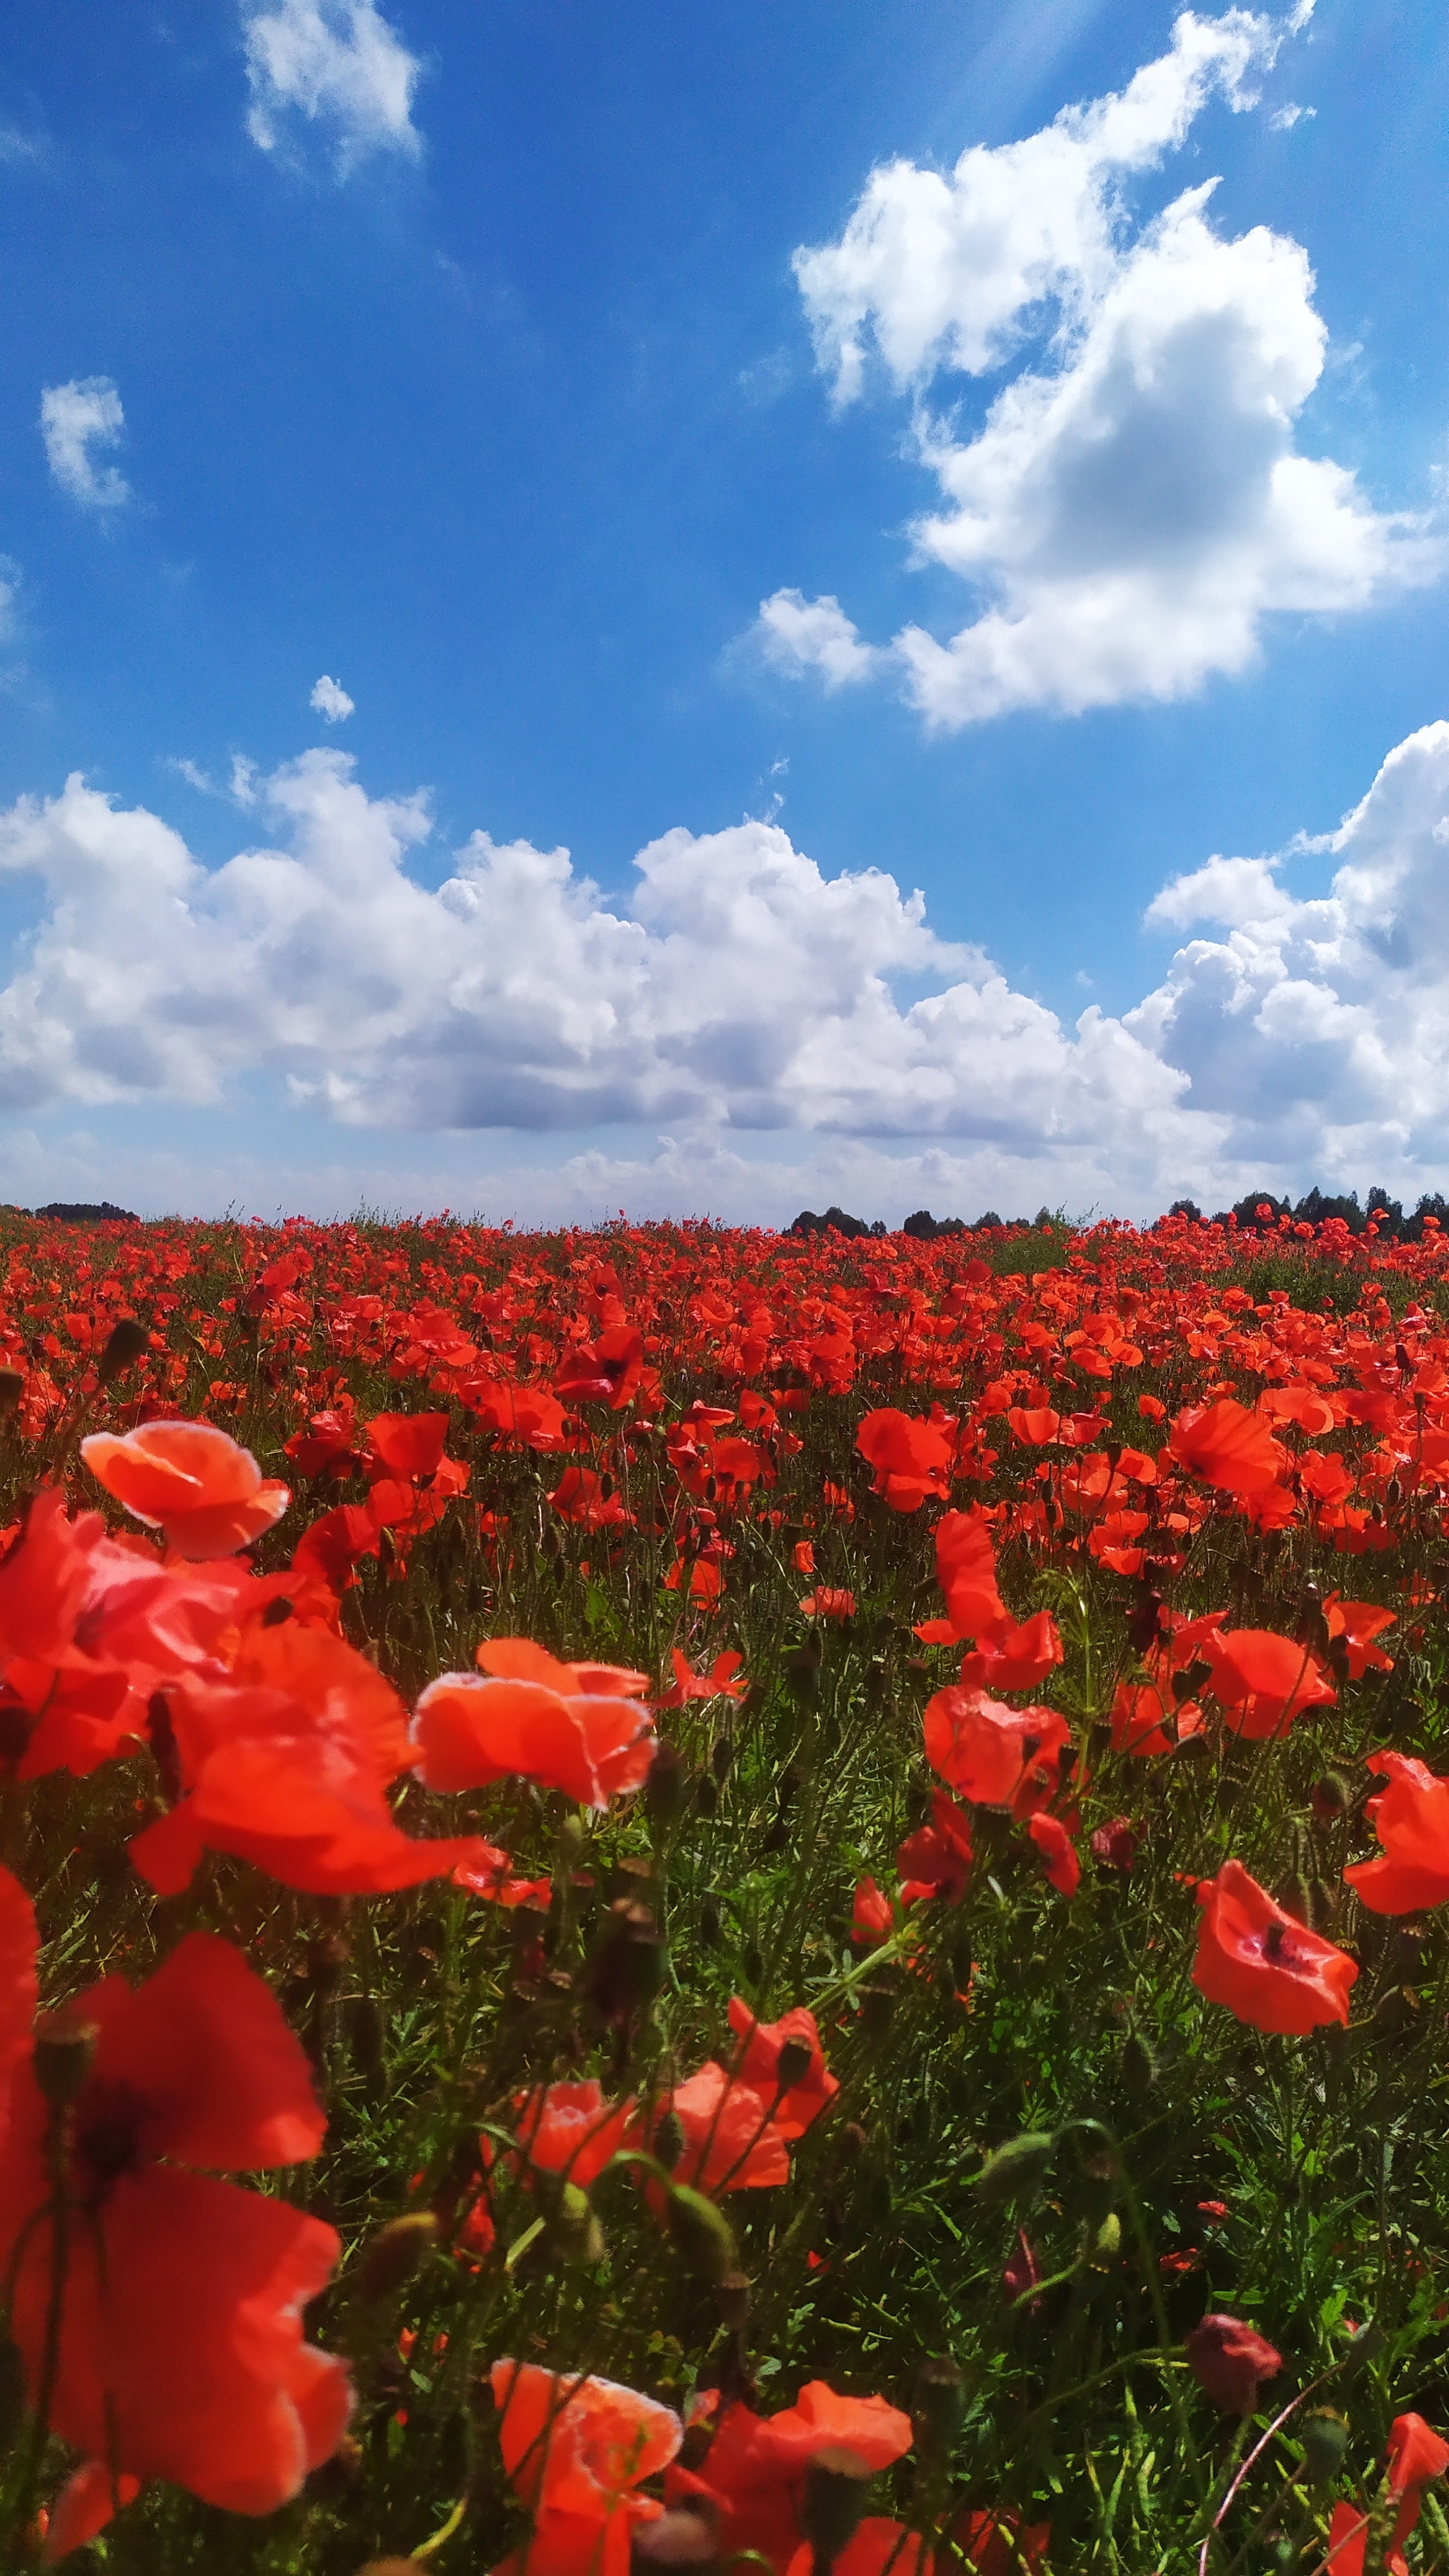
x=1257, y=1212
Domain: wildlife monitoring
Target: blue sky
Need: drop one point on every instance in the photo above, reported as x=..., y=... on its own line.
x=503, y=366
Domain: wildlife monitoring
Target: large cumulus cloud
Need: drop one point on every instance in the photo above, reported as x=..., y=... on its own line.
x=1134, y=504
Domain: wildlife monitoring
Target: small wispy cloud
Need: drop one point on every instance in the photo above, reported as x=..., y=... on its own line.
x=337, y=63
x=76, y=418
x=332, y=701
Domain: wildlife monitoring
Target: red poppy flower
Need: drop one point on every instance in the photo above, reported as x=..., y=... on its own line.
x=1416, y=2454
x=1262, y=1680
x=828, y=1601
x=605, y=1371
x=871, y=1917
x=1228, y=2359
x=1411, y=1819
x=191, y=1480
x=754, y=2471
x=571, y=2129
x=757, y=2063
x=993, y=1755
x=1358, y=1623
x=580, y=1497
x=488, y=1872
x=579, y=1728
x=1227, y=1446
x=733, y=2139
x=180, y=2350
x=1036, y=1424
x=936, y=1860
x=577, y=2450
x=911, y=1459
x=1265, y=1966
x=876, y=2547
x=1016, y=1658
x=997, y=2544
x=1114, y=1846
x=527, y=1415
x=285, y=1764
x=1058, y=1854
x=966, y=1573
x=719, y=1682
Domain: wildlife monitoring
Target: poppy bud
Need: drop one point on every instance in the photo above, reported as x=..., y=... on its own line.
x=628, y=1961
x=687, y=2537
x=574, y=2229
x=734, y=2300
x=125, y=1342
x=65, y=2047
x=701, y=2233
x=1017, y=2170
x=1228, y=2359
x=569, y=1844
x=394, y=2254
x=12, y=1387
x=1330, y=1797
x=836, y=2487
x=722, y=1755
x=711, y=1924
x=1138, y=2066
x=668, y=2140
x=1108, y=2243
x=1325, y=2439
x=706, y=1796
x=666, y=1787
x=938, y=2404
x=368, y=2035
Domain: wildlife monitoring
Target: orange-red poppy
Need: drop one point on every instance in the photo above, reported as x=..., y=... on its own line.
x=1267, y=1967
x=190, y=1479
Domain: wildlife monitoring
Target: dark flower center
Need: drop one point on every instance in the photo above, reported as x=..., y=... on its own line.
x=107, y=2139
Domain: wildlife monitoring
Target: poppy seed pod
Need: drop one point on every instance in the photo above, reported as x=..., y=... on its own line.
x=1017, y=2170
x=125, y=1343
x=63, y=2053
x=837, y=2483
x=394, y=2254
x=702, y=2234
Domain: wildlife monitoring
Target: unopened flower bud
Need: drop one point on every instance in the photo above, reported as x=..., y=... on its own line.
x=733, y=2294
x=574, y=2229
x=394, y=2254
x=667, y=1785
x=1017, y=2170
x=1330, y=1797
x=12, y=1387
x=125, y=1343
x=938, y=2404
x=63, y=2053
x=627, y=1966
x=1139, y=2069
x=1325, y=2439
x=837, y=2484
x=701, y=2233
x=668, y=2139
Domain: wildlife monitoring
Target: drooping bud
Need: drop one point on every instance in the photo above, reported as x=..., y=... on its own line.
x=1138, y=2066
x=1330, y=1797
x=733, y=2293
x=938, y=2405
x=574, y=2229
x=1325, y=2439
x=62, y=2056
x=702, y=2234
x=394, y=2254
x=627, y=1966
x=1017, y=2170
x=668, y=2139
x=837, y=2484
x=667, y=1785
x=125, y=1343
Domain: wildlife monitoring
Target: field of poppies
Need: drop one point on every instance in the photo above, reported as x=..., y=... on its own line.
x=694, y=1899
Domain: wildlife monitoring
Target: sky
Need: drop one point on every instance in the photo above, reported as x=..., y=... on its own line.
x=709, y=612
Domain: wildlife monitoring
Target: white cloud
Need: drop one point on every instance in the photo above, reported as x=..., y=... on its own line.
x=74, y=419
x=339, y=64
x=739, y=1003
x=797, y=635
x=332, y=701
x=1133, y=505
